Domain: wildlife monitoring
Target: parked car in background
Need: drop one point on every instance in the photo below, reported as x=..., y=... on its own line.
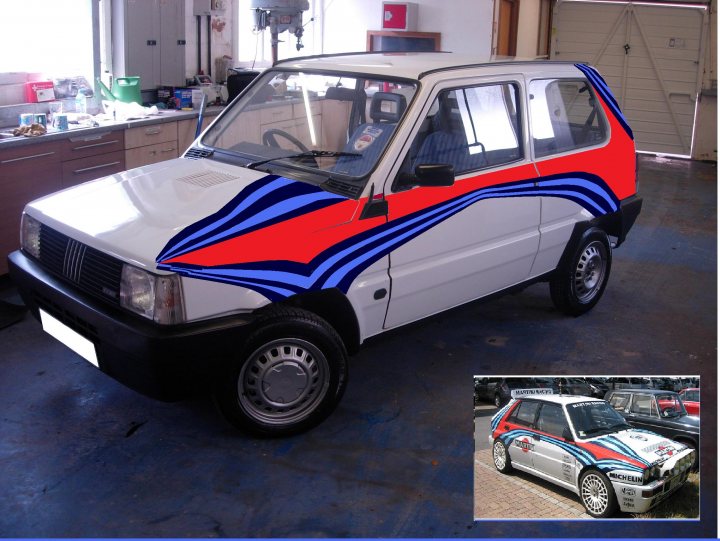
x=583, y=445
x=498, y=390
x=577, y=386
x=598, y=386
x=658, y=411
x=628, y=383
x=691, y=400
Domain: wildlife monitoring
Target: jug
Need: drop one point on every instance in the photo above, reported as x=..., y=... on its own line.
x=125, y=89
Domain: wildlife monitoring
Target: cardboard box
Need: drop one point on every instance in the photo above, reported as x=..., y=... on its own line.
x=39, y=91
x=184, y=97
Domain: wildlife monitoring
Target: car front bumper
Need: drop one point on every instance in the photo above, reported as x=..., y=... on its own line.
x=641, y=498
x=163, y=362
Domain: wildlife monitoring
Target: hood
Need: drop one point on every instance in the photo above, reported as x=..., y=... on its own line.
x=133, y=215
x=640, y=445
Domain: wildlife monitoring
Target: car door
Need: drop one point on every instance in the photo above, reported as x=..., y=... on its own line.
x=549, y=456
x=519, y=427
x=472, y=238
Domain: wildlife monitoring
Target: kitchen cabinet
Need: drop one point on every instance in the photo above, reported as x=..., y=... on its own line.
x=92, y=156
x=148, y=39
x=150, y=144
x=26, y=173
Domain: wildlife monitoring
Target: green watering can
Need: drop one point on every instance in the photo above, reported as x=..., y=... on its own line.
x=124, y=89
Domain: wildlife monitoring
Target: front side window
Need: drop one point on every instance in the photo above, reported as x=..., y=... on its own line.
x=469, y=128
x=287, y=116
x=551, y=420
x=565, y=116
x=670, y=405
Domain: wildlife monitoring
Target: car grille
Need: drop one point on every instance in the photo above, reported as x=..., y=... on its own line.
x=90, y=270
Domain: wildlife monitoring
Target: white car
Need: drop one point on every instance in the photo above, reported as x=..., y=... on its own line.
x=584, y=445
x=336, y=198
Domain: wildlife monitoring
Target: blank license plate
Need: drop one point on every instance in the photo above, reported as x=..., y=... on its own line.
x=79, y=344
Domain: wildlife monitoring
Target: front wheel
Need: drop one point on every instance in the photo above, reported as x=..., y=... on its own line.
x=580, y=280
x=597, y=494
x=288, y=377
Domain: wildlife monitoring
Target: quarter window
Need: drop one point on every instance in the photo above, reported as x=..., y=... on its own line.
x=470, y=128
x=565, y=116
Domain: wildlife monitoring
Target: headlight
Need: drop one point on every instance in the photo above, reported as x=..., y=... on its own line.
x=156, y=297
x=30, y=235
x=646, y=476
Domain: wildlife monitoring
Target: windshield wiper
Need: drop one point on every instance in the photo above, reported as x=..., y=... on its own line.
x=308, y=154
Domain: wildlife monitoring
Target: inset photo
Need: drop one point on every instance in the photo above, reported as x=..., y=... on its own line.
x=579, y=447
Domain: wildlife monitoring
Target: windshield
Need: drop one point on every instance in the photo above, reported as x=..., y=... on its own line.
x=595, y=418
x=332, y=123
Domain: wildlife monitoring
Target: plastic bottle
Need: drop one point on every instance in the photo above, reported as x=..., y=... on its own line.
x=80, y=102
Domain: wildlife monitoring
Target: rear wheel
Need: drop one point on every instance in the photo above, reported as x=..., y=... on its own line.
x=580, y=280
x=288, y=377
x=597, y=494
x=501, y=458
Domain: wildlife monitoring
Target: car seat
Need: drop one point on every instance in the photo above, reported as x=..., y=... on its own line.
x=369, y=139
x=447, y=144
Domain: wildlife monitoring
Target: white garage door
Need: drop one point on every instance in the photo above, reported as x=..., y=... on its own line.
x=650, y=55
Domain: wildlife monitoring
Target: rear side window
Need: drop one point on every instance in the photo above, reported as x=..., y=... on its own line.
x=619, y=401
x=565, y=116
x=524, y=414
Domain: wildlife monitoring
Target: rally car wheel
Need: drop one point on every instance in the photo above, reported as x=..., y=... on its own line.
x=597, y=494
x=501, y=458
x=497, y=400
x=580, y=280
x=289, y=376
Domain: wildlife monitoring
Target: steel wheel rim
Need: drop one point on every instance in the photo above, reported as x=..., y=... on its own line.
x=283, y=381
x=499, y=455
x=594, y=494
x=590, y=271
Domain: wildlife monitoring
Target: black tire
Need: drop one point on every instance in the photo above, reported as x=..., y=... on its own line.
x=289, y=375
x=497, y=401
x=597, y=494
x=501, y=457
x=581, y=278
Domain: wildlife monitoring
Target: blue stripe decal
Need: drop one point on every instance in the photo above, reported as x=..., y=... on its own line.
x=604, y=91
x=276, y=199
x=614, y=444
x=495, y=421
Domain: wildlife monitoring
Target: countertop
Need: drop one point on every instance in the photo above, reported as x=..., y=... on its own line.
x=104, y=127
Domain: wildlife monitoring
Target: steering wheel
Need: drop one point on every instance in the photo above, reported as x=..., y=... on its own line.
x=269, y=139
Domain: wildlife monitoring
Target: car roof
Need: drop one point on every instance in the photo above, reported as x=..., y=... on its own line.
x=561, y=398
x=642, y=391
x=406, y=65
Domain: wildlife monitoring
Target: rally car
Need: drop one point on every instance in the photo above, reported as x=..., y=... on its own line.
x=584, y=445
x=336, y=198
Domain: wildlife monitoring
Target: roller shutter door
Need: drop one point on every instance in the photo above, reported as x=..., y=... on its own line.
x=650, y=55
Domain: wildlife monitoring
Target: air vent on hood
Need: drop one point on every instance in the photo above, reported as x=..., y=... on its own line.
x=207, y=179
x=196, y=153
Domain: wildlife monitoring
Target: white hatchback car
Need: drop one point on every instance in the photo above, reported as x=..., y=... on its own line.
x=336, y=198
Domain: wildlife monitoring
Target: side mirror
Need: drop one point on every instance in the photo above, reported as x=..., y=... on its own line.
x=567, y=434
x=435, y=174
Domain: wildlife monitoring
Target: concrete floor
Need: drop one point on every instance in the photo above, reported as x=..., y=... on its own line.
x=81, y=455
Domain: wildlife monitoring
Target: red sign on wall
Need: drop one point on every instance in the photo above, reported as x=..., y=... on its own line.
x=399, y=16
